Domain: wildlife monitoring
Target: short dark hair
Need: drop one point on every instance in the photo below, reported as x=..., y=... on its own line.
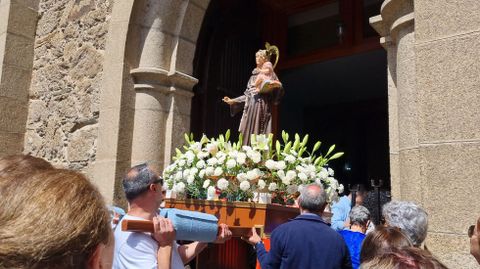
x=138, y=179
x=312, y=198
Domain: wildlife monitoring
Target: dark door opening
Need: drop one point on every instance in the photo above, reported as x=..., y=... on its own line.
x=343, y=102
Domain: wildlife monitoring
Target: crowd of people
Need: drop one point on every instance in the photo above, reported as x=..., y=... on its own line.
x=56, y=218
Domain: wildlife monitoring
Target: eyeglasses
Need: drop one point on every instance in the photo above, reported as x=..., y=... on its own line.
x=471, y=229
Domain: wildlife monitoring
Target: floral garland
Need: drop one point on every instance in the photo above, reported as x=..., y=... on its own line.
x=215, y=167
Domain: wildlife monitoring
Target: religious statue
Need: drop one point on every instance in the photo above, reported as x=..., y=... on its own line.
x=263, y=90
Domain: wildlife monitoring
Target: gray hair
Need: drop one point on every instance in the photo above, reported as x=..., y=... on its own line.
x=312, y=198
x=138, y=179
x=409, y=217
x=359, y=215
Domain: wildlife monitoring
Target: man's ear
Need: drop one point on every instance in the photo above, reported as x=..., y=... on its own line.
x=152, y=187
x=95, y=261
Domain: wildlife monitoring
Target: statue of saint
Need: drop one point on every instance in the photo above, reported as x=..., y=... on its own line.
x=263, y=90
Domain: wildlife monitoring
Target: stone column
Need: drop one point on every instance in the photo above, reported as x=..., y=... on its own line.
x=18, y=20
x=163, y=91
x=396, y=25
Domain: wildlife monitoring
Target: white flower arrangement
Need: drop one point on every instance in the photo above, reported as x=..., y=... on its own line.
x=217, y=167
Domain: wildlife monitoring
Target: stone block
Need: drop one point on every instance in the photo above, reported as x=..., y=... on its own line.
x=192, y=22
x=162, y=15
x=11, y=143
x=148, y=140
x=184, y=56
x=452, y=249
x=452, y=175
x=182, y=105
x=155, y=48
x=4, y=11
x=18, y=45
x=13, y=115
x=448, y=82
x=456, y=17
x=122, y=11
x=395, y=181
x=108, y=130
x=201, y=3
x=15, y=83
x=82, y=145
x=410, y=165
x=32, y=4
x=22, y=20
x=153, y=100
x=104, y=177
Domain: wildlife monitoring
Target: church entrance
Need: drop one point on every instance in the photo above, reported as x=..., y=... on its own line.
x=332, y=67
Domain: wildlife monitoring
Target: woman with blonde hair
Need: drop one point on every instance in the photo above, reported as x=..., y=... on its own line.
x=54, y=219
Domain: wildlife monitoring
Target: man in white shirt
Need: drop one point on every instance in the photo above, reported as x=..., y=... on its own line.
x=144, y=192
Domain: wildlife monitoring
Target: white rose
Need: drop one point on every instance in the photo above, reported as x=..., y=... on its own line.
x=190, y=156
x=181, y=163
x=212, y=161
x=286, y=181
x=211, y=191
x=218, y=171
x=222, y=184
x=280, y=165
x=190, y=179
x=300, y=168
x=209, y=171
x=330, y=172
x=193, y=171
x=281, y=174
x=231, y=163
x=233, y=154
x=202, y=155
x=340, y=188
x=291, y=174
x=302, y=177
x=318, y=181
x=246, y=148
x=323, y=174
x=178, y=176
x=252, y=174
x=256, y=157
x=292, y=189
x=200, y=164
x=221, y=159
x=261, y=184
x=201, y=174
x=180, y=187
x=212, y=148
x=245, y=185
x=270, y=164
x=272, y=186
x=242, y=177
x=290, y=159
x=241, y=158
x=206, y=183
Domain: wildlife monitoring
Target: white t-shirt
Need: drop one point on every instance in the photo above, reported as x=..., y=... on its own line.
x=139, y=250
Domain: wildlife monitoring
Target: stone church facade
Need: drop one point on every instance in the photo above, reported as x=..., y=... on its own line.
x=98, y=85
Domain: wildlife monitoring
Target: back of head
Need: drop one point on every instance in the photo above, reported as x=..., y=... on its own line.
x=137, y=180
x=359, y=215
x=312, y=198
x=16, y=167
x=405, y=258
x=409, y=217
x=54, y=219
x=381, y=240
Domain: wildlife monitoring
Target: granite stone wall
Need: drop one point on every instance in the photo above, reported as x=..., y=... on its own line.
x=66, y=78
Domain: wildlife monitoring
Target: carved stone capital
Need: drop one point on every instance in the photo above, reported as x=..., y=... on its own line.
x=395, y=15
x=163, y=81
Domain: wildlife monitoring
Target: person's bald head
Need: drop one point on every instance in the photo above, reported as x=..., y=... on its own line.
x=312, y=199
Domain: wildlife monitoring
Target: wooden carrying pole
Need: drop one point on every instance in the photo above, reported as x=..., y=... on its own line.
x=147, y=227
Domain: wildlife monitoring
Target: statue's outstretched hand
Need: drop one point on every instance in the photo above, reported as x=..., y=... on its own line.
x=227, y=100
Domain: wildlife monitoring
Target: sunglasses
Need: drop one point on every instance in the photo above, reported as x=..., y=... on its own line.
x=471, y=229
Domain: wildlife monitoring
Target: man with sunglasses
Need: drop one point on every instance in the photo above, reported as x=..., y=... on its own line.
x=144, y=191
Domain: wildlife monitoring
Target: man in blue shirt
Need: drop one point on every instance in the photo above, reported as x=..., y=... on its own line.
x=359, y=219
x=341, y=209
x=306, y=241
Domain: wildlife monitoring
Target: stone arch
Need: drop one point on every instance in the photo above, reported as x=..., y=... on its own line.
x=147, y=86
